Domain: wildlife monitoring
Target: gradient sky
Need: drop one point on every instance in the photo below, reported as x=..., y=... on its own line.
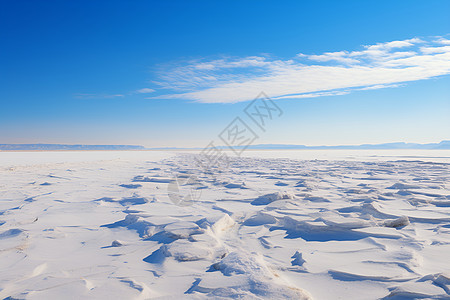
x=175, y=73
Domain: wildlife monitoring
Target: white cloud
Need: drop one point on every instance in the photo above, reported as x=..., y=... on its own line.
x=381, y=65
x=98, y=96
x=314, y=95
x=443, y=41
x=395, y=44
x=432, y=50
x=379, y=86
x=341, y=56
x=145, y=91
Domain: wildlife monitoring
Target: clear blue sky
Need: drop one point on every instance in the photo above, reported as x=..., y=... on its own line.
x=175, y=73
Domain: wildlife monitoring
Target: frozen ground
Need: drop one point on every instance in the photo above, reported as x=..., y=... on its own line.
x=349, y=225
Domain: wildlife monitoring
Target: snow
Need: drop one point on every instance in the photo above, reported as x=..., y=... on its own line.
x=274, y=225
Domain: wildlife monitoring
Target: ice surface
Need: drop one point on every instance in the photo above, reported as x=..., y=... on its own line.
x=274, y=225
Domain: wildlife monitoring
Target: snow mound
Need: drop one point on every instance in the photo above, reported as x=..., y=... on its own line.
x=180, y=250
x=142, y=178
x=403, y=186
x=182, y=230
x=117, y=243
x=269, y=198
x=259, y=219
x=218, y=224
x=399, y=222
x=256, y=278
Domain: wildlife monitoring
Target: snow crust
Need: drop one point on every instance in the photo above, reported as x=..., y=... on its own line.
x=104, y=227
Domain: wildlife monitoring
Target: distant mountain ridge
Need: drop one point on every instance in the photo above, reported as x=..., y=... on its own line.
x=443, y=145
x=54, y=147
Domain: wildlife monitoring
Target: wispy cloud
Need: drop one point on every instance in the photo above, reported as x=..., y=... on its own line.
x=98, y=96
x=145, y=91
x=111, y=95
x=382, y=65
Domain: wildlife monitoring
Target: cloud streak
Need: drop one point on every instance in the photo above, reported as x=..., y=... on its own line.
x=98, y=96
x=144, y=91
x=382, y=65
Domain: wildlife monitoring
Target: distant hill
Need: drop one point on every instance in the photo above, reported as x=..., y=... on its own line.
x=54, y=147
x=444, y=145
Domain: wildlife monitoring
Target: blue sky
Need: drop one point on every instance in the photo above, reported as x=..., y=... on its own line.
x=175, y=73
